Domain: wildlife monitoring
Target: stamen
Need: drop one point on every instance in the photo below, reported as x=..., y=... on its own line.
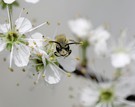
x=9, y=17
x=30, y=39
x=17, y=84
x=23, y=70
x=37, y=27
x=38, y=78
x=4, y=59
x=21, y=12
x=11, y=69
x=23, y=19
x=55, y=32
x=11, y=56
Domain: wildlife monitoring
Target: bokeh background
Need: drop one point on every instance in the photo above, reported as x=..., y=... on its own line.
x=17, y=88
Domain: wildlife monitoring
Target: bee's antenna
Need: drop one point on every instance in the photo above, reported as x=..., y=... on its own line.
x=54, y=42
x=73, y=43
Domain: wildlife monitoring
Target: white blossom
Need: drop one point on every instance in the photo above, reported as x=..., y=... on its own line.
x=9, y=1
x=122, y=51
x=49, y=63
x=13, y=37
x=80, y=27
x=98, y=38
x=106, y=94
x=32, y=1
x=29, y=1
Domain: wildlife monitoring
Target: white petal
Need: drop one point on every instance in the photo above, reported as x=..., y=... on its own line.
x=80, y=27
x=100, y=105
x=89, y=97
x=124, y=82
x=21, y=55
x=36, y=38
x=2, y=44
x=68, y=63
x=32, y=1
x=120, y=59
x=9, y=1
x=4, y=28
x=53, y=74
x=99, y=34
x=23, y=25
x=101, y=48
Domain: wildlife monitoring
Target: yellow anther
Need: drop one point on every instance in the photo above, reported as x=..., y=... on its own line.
x=43, y=75
x=83, y=70
x=11, y=69
x=81, y=43
x=34, y=43
x=39, y=54
x=77, y=58
x=31, y=47
x=51, y=58
x=45, y=39
x=69, y=74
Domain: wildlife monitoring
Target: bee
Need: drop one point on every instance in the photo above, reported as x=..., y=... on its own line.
x=63, y=46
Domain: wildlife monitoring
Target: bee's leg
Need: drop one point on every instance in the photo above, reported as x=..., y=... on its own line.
x=57, y=54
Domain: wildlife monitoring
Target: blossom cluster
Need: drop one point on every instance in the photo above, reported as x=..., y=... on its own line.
x=52, y=60
x=36, y=50
x=109, y=88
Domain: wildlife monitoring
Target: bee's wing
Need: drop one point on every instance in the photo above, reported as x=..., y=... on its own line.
x=68, y=63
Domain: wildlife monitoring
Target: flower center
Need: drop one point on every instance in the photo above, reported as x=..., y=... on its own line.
x=12, y=37
x=39, y=63
x=106, y=95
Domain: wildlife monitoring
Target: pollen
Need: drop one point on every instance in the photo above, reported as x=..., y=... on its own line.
x=39, y=54
x=82, y=43
x=77, y=58
x=68, y=74
x=51, y=58
x=83, y=70
x=43, y=75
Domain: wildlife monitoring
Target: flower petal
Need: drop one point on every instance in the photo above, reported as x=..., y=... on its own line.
x=120, y=59
x=68, y=63
x=32, y=1
x=2, y=44
x=4, y=28
x=37, y=40
x=21, y=55
x=53, y=74
x=80, y=27
x=99, y=34
x=23, y=25
x=101, y=48
x=9, y=1
x=89, y=97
